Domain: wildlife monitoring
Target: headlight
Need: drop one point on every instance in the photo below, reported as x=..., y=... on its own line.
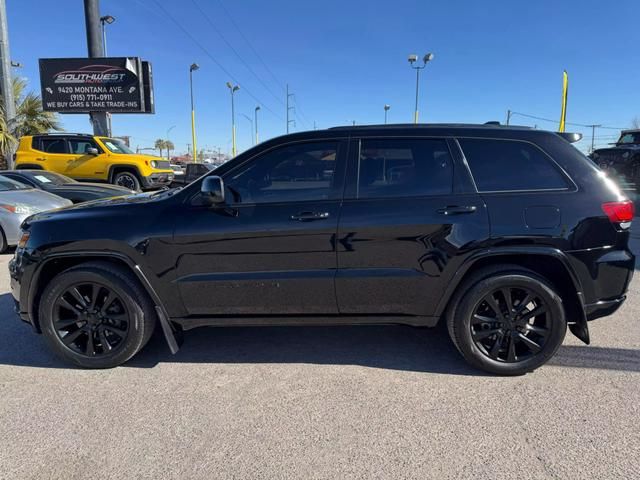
x=625, y=155
x=20, y=209
x=595, y=155
x=154, y=164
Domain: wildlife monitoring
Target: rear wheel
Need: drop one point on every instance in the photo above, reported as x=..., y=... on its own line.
x=127, y=179
x=507, y=321
x=96, y=315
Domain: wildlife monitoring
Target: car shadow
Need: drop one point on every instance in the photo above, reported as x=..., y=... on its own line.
x=392, y=347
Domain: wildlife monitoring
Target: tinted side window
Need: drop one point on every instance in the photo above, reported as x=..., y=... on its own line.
x=404, y=168
x=500, y=165
x=53, y=145
x=79, y=146
x=287, y=174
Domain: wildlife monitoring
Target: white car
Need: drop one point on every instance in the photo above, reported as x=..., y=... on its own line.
x=17, y=202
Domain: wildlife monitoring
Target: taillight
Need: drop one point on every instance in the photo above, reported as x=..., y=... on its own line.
x=619, y=212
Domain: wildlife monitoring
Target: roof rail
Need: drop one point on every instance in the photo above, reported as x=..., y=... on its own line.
x=391, y=126
x=53, y=134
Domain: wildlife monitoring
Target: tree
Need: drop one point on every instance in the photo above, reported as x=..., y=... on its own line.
x=168, y=144
x=30, y=119
x=159, y=145
x=635, y=123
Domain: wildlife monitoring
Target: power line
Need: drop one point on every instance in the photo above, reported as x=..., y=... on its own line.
x=556, y=121
x=264, y=64
x=208, y=19
x=208, y=54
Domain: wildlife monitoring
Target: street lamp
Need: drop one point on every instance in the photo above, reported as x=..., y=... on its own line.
x=104, y=20
x=256, y=117
x=251, y=122
x=412, y=60
x=386, y=109
x=193, y=68
x=232, y=90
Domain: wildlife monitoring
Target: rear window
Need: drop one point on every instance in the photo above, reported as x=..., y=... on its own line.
x=508, y=165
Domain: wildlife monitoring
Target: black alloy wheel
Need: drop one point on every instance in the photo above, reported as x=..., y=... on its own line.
x=127, y=180
x=91, y=319
x=510, y=324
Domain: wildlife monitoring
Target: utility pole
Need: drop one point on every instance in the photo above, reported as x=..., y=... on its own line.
x=386, y=111
x=96, y=49
x=5, y=74
x=593, y=135
x=289, y=95
x=508, y=116
x=255, y=112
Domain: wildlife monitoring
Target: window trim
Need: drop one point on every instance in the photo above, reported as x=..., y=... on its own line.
x=571, y=185
x=352, y=192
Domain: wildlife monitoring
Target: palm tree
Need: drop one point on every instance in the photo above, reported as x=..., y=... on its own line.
x=159, y=145
x=30, y=119
x=168, y=144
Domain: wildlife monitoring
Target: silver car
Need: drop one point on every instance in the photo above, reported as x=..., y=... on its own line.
x=17, y=202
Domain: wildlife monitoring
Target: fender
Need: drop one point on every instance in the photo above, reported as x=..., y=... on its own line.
x=163, y=317
x=122, y=165
x=580, y=328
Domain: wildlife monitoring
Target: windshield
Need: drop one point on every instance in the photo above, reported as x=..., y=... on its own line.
x=629, y=138
x=6, y=185
x=50, y=178
x=115, y=145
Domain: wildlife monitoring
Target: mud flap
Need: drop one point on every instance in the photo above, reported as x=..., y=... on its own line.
x=580, y=330
x=174, y=338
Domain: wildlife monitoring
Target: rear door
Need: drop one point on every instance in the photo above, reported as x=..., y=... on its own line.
x=409, y=215
x=54, y=152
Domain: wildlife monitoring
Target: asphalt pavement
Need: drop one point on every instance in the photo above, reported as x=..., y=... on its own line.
x=321, y=402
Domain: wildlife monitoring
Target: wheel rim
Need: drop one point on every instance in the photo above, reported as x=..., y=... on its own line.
x=91, y=319
x=127, y=181
x=511, y=324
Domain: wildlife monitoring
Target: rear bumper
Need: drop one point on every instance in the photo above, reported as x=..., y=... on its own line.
x=603, y=308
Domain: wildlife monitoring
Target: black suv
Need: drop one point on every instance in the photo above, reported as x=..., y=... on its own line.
x=622, y=161
x=507, y=234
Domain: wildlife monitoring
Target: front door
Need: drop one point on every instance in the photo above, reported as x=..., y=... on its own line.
x=404, y=226
x=81, y=163
x=271, y=249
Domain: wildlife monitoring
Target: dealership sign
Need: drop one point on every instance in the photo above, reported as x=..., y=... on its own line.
x=82, y=85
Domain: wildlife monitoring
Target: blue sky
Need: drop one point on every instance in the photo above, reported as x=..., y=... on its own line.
x=345, y=59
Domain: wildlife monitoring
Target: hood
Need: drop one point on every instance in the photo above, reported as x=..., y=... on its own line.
x=37, y=200
x=634, y=147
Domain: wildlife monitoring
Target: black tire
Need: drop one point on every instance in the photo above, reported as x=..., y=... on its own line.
x=3, y=242
x=497, y=345
x=127, y=179
x=96, y=333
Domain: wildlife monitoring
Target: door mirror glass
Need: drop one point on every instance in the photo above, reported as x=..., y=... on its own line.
x=92, y=151
x=212, y=190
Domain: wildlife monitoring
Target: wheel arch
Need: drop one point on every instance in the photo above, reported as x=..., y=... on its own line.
x=56, y=264
x=550, y=263
x=124, y=167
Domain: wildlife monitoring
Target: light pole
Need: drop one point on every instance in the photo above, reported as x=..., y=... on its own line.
x=251, y=122
x=256, y=117
x=413, y=59
x=104, y=20
x=232, y=90
x=386, y=109
x=193, y=68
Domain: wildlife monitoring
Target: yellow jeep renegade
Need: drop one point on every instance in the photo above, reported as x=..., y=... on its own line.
x=92, y=158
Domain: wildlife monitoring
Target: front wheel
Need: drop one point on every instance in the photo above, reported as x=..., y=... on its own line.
x=96, y=315
x=128, y=180
x=507, y=322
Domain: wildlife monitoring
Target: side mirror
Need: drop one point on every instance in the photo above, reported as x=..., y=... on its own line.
x=92, y=151
x=213, y=189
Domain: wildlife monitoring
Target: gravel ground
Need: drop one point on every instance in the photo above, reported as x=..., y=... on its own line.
x=324, y=402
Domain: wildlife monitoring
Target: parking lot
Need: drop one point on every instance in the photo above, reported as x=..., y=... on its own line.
x=321, y=402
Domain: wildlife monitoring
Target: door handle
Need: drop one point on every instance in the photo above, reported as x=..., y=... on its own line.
x=309, y=216
x=457, y=210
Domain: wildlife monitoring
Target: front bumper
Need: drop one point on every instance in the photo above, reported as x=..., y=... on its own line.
x=15, y=276
x=156, y=180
